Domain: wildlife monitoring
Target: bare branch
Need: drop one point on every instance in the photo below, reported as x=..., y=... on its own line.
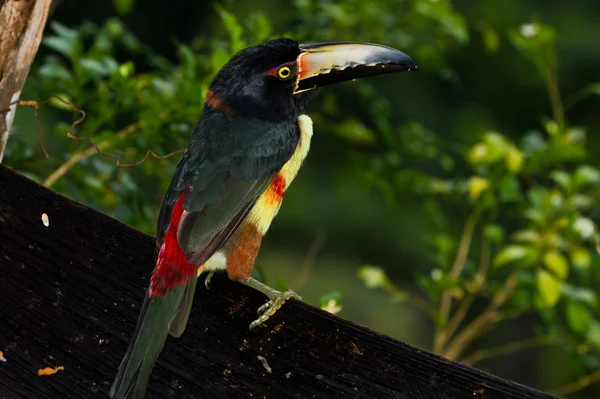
x=457, y=267
x=509, y=348
x=578, y=385
x=484, y=321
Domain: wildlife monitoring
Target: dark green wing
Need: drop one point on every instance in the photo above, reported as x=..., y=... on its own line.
x=225, y=171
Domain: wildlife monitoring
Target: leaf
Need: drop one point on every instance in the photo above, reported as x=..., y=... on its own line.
x=55, y=102
x=586, y=175
x=515, y=253
x=579, y=317
x=557, y=263
x=548, y=288
x=491, y=39
x=562, y=178
x=373, y=276
x=593, y=334
x=514, y=160
x=581, y=294
x=331, y=302
x=527, y=236
x=123, y=7
x=53, y=68
x=494, y=233
x=581, y=257
x=477, y=185
x=233, y=28
x=94, y=68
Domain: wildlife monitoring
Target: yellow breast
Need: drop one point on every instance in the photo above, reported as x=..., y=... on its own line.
x=268, y=204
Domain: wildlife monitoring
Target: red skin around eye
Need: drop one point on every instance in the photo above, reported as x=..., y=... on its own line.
x=273, y=72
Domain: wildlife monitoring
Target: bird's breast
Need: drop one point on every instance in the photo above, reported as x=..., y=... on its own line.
x=269, y=202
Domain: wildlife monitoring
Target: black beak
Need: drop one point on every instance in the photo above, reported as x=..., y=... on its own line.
x=326, y=63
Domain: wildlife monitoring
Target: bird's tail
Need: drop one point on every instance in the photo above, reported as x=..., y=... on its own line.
x=147, y=343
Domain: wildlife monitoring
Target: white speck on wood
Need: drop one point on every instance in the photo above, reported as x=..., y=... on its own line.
x=45, y=220
x=265, y=364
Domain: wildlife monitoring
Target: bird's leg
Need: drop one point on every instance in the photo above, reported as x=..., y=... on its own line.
x=276, y=300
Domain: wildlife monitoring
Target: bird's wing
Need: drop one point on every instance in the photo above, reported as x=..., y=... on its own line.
x=224, y=172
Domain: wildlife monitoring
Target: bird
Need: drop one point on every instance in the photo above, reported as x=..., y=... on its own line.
x=247, y=147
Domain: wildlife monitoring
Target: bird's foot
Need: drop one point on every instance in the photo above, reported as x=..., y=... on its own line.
x=276, y=300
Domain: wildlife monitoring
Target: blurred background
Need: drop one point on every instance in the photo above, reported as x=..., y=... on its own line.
x=453, y=208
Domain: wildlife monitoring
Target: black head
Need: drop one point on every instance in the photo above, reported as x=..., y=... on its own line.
x=270, y=81
x=250, y=84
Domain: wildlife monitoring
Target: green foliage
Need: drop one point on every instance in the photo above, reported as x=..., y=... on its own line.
x=526, y=199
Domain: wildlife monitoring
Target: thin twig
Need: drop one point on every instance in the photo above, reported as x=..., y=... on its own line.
x=81, y=155
x=457, y=267
x=578, y=385
x=558, y=111
x=509, y=348
x=310, y=260
x=484, y=321
x=88, y=152
x=465, y=305
x=36, y=105
x=420, y=303
x=118, y=163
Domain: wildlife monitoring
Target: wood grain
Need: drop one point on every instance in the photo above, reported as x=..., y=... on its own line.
x=69, y=296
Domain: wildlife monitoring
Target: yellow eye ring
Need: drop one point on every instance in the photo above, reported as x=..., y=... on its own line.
x=284, y=72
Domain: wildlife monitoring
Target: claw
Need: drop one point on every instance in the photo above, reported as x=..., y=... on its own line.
x=272, y=306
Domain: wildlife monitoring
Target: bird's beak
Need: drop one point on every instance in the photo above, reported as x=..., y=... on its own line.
x=325, y=63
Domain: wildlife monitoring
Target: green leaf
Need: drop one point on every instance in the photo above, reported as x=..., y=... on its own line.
x=527, y=236
x=355, y=131
x=494, y=233
x=123, y=7
x=562, y=178
x=525, y=255
x=586, y=175
x=514, y=160
x=373, y=276
x=581, y=257
x=233, y=28
x=578, y=317
x=548, y=288
x=94, y=68
x=557, y=263
x=331, y=302
x=55, y=102
x=477, y=185
x=593, y=334
x=580, y=294
x=491, y=39
x=53, y=68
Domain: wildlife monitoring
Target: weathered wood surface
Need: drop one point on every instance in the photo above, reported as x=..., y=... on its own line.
x=70, y=293
x=21, y=25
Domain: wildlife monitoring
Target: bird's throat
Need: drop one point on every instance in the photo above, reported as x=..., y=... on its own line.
x=268, y=204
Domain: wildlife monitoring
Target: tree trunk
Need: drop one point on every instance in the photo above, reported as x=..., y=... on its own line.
x=21, y=25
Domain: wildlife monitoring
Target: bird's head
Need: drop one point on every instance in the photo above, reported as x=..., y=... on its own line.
x=271, y=80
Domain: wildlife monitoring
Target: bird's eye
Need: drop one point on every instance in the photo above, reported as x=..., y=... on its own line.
x=284, y=72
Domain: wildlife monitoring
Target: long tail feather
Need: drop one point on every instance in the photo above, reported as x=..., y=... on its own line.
x=147, y=343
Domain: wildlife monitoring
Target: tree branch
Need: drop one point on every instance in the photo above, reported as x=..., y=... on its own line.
x=484, y=321
x=459, y=263
x=509, y=348
x=22, y=25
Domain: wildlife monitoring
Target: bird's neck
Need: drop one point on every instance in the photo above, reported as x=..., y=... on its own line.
x=268, y=204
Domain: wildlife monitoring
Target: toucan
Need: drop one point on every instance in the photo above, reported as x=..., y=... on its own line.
x=244, y=152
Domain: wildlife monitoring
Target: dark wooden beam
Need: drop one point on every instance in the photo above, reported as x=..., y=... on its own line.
x=70, y=293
